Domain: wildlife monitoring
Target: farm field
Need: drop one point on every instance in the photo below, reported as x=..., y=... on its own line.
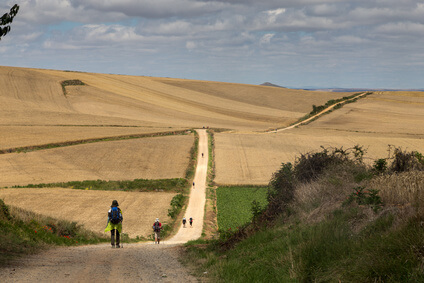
x=144, y=158
x=34, y=110
x=89, y=208
x=35, y=97
x=398, y=113
x=252, y=158
x=234, y=205
x=22, y=136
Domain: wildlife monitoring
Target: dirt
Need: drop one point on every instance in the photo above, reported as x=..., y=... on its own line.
x=101, y=263
x=146, y=262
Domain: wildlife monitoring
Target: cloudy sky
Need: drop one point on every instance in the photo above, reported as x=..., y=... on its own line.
x=294, y=43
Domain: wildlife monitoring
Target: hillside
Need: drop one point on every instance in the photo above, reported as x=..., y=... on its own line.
x=35, y=97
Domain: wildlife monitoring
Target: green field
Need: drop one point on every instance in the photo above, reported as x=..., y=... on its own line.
x=234, y=205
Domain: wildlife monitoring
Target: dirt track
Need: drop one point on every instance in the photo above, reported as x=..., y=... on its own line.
x=133, y=263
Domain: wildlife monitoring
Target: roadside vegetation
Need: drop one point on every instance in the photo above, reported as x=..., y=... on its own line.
x=341, y=101
x=330, y=217
x=23, y=232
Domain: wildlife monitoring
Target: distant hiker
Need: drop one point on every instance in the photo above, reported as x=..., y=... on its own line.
x=184, y=222
x=202, y=154
x=114, y=223
x=191, y=221
x=193, y=185
x=156, y=228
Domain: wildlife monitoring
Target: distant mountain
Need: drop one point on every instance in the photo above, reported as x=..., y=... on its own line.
x=271, y=84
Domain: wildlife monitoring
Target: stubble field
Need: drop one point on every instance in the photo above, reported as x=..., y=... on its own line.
x=144, y=158
x=89, y=208
x=375, y=123
x=34, y=110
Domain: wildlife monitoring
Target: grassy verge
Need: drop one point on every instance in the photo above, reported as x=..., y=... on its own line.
x=330, y=218
x=138, y=185
x=23, y=233
x=191, y=168
x=342, y=101
x=234, y=205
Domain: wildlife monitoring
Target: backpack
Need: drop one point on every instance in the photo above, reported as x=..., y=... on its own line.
x=115, y=215
x=156, y=227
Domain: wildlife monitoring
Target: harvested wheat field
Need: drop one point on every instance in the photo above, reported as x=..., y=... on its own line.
x=35, y=97
x=144, y=158
x=89, y=208
x=383, y=113
x=24, y=136
x=252, y=158
x=375, y=122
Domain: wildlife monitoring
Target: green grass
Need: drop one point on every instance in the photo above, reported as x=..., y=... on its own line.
x=139, y=185
x=325, y=252
x=234, y=205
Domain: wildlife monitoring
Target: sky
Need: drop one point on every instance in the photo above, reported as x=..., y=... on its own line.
x=291, y=43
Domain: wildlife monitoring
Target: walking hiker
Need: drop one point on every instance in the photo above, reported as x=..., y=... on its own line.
x=191, y=222
x=114, y=224
x=202, y=154
x=156, y=228
x=184, y=222
x=193, y=185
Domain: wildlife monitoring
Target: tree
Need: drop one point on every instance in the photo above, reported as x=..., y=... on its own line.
x=7, y=19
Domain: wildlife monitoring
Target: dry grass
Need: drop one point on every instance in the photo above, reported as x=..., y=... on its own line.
x=145, y=158
x=90, y=208
x=401, y=189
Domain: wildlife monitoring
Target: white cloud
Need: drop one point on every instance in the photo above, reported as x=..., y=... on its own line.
x=229, y=31
x=266, y=39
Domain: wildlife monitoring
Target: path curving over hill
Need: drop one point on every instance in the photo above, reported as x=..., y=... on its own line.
x=133, y=262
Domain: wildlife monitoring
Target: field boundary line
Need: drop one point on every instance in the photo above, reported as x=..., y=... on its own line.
x=92, y=140
x=329, y=108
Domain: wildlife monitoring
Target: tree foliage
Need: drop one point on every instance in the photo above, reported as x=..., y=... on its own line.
x=7, y=19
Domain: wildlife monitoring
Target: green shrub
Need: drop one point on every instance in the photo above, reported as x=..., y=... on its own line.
x=177, y=204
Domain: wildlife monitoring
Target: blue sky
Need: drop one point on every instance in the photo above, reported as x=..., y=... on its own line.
x=293, y=43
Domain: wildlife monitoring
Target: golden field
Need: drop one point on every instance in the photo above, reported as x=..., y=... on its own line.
x=144, y=158
x=89, y=208
x=35, y=111
x=374, y=122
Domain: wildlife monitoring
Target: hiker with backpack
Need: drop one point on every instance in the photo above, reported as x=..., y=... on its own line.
x=114, y=224
x=156, y=228
x=184, y=222
x=191, y=222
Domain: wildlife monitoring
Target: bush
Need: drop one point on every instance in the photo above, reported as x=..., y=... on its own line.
x=177, y=204
x=406, y=161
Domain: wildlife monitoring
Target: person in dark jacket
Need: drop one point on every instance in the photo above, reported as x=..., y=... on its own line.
x=114, y=224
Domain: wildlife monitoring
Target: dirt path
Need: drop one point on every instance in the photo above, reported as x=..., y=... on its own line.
x=316, y=115
x=132, y=263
